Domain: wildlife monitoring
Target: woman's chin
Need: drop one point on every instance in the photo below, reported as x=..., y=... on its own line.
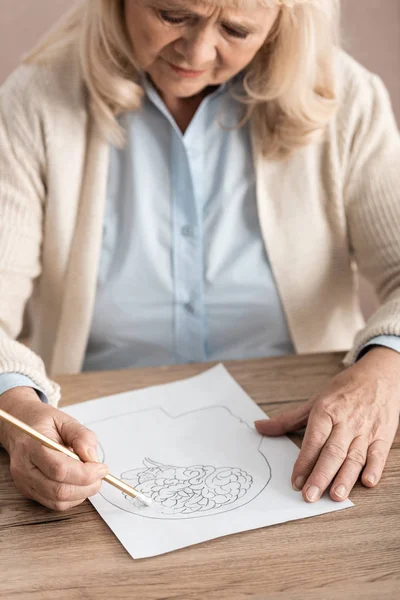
x=174, y=84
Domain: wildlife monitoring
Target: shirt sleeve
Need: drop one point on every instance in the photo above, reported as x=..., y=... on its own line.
x=9, y=381
x=389, y=341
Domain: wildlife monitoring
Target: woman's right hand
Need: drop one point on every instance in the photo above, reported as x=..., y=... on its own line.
x=47, y=476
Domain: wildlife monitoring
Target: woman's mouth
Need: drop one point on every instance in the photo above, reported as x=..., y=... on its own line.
x=187, y=73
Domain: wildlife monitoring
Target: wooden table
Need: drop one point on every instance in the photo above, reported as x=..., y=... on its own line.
x=348, y=554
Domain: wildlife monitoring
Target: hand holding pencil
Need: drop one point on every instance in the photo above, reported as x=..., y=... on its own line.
x=39, y=473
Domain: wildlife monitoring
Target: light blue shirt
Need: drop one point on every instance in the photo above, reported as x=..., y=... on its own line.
x=183, y=273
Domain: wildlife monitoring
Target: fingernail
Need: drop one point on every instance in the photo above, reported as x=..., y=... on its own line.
x=93, y=455
x=312, y=493
x=370, y=479
x=341, y=491
x=299, y=483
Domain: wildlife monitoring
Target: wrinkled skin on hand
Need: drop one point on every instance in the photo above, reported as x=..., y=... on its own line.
x=350, y=427
x=39, y=473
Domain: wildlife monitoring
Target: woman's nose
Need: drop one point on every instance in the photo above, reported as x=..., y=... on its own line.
x=198, y=49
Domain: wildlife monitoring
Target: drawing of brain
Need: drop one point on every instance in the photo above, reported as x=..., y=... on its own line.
x=196, y=464
x=188, y=490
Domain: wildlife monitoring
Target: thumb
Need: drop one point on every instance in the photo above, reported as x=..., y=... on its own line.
x=80, y=439
x=290, y=420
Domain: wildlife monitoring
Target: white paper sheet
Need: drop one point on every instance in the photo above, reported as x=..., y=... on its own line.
x=191, y=446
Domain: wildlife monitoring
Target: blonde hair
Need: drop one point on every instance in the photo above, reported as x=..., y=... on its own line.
x=289, y=86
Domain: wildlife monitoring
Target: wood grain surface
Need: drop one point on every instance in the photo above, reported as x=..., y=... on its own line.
x=348, y=554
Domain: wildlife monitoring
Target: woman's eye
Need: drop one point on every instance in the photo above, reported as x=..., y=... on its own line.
x=168, y=18
x=242, y=35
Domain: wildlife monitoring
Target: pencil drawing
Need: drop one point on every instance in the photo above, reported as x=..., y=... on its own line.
x=193, y=483
x=188, y=490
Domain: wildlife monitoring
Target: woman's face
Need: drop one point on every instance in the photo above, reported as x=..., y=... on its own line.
x=186, y=46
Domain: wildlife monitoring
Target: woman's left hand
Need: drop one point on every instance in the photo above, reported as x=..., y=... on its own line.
x=351, y=426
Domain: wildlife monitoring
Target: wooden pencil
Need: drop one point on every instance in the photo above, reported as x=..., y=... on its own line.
x=111, y=479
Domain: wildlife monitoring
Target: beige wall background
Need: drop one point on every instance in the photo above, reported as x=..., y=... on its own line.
x=371, y=34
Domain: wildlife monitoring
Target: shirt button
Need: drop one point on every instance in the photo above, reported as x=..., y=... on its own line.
x=187, y=231
x=190, y=308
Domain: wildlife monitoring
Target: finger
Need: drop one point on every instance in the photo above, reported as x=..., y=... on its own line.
x=63, y=469
x=290, y=420
x=350, y=471
x=80, y=438
x=40, y=486
x=331, y=458
x=376, y=459
x=318, y=431
x=48, y=502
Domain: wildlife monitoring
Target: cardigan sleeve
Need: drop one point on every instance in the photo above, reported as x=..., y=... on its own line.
x=372, y=204
x=22, y=202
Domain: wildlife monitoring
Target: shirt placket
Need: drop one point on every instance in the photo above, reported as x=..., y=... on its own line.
x=187, y=154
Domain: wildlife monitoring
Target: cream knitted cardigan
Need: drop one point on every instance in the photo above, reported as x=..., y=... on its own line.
x=334, y=205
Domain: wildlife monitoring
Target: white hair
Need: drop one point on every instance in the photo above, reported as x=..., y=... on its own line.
x=290, y=91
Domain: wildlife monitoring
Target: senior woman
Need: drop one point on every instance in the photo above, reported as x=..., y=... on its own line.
x=191, y=181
